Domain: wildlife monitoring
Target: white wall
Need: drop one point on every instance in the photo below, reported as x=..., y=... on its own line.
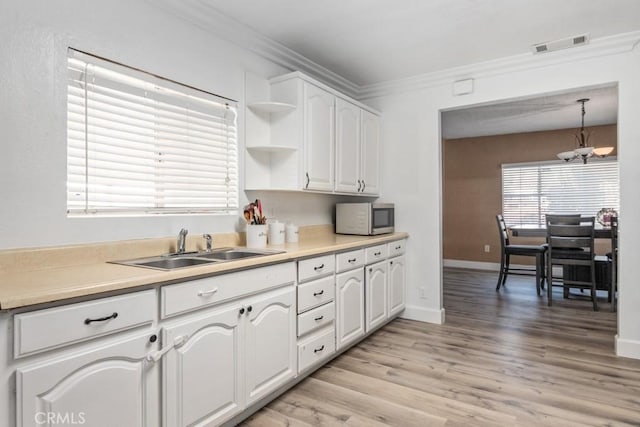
x=412, y=168
x=35, y=36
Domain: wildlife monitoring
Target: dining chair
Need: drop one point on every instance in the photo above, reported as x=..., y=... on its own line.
x=571, y=245
x=507, y=249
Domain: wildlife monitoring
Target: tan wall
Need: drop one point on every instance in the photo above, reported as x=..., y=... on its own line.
x=473, y=185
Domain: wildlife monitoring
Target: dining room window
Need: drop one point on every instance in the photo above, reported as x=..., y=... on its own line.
x=532, y=190
x=139, y=144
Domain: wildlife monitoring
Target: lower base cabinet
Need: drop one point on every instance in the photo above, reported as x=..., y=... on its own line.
x=316, y=348
x=229, y=358
x=376, y=294
x=350, y=307
x=107, y=386
x=396, y=285
x=213, y=360
x=201, y=378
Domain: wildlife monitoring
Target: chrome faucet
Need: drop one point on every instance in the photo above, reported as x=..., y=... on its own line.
x=182, y=237
x=209, y=240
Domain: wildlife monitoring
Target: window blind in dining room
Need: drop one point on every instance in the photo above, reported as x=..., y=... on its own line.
x=141, y=144
x=532, y=190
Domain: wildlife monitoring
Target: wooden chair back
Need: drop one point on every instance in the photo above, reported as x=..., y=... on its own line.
x=564, y=239
x=569, y=219
x=502, y=228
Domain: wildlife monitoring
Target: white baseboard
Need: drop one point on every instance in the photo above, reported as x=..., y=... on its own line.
x=627, y=348
x=473, y=265
x=422, y=314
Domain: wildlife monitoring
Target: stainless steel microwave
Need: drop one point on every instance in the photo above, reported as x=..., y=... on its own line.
x=365, y=219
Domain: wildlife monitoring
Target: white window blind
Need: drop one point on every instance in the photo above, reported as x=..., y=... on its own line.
x=140, y=144
x=530, y=191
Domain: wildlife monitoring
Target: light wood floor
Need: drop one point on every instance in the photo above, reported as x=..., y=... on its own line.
x=500, y=359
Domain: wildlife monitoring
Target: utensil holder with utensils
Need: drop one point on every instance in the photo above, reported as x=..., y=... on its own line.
x=256, y=235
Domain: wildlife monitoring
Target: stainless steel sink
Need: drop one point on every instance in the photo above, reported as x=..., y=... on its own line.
x=190, y=259
x=228, y=254
x=166, y=263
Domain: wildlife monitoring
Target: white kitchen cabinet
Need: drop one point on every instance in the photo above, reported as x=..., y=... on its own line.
x=370, y=155
x=109, y=385
x=348, y=147
x=319, y=137
x=396, y=285
x=270, y=343
x=202, y=377
x=357, y=149
x=314, y=138
x=350, y=307
x=229, y=357
x=376, y=295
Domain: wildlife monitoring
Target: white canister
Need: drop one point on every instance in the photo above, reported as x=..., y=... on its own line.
x=276, y=233
x=291, y=233
x=256, y=235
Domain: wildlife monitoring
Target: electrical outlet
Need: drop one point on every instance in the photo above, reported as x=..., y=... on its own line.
x=422, y=292
x=487, y=248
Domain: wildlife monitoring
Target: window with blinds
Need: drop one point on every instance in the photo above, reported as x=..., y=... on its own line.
x=140, y=144
x=532, y=190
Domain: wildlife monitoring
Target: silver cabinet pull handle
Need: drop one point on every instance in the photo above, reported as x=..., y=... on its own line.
x=320, y=267
x=207, y=293
x=319, y=349
x=315, y=294
x=308, y=180
x=377, y=253
x=317, y=319
x=363, y=185
x=359, y=185
x=351, y=261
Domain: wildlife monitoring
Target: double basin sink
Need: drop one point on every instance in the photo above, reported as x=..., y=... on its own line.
x=190, y=259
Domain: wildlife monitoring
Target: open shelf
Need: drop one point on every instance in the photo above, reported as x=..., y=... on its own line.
x=271, y=148
x=271, y=107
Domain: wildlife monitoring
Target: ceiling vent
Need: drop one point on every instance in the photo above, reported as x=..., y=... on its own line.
x=561, y=44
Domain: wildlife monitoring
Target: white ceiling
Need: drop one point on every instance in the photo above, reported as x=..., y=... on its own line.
x=363, y=43
x=546, y=112
x=373, y=41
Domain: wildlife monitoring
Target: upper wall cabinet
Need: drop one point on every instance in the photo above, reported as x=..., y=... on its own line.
x=348, y=147
x=370, y=153
x=319, y=138
x=303, y=135
x=357, y=149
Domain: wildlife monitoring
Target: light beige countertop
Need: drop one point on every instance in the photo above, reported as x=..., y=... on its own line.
x=39, y=276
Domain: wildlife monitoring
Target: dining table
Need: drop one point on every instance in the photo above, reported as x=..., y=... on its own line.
x=599, y=232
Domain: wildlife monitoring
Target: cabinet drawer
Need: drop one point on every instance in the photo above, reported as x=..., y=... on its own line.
x=316, y=348
x=315, y=293
x=396, y=248
x=54, y=327
x=194, y=294
x=316, y=318
x=313, y=268
x=349, y=260
x=375, y=253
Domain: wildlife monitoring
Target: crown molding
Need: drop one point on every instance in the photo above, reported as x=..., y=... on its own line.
x=207, y=18
x=611, y=45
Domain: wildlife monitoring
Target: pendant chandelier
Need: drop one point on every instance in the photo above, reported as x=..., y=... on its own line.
x=583, y=150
